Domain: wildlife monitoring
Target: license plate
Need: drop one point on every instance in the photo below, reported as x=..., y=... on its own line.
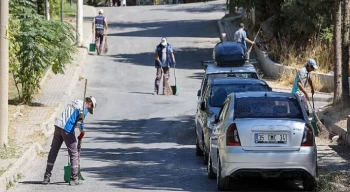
x=271, y=138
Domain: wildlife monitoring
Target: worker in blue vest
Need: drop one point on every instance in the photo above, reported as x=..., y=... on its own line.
x=164, y=57
x=100, y=27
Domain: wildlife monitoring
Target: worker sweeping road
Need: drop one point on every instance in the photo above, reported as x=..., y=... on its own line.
x=301, y=80
x=164, y=57
x=71, y=117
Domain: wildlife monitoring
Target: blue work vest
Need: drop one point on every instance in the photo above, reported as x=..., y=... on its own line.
x=99, y=22
x=160, y=54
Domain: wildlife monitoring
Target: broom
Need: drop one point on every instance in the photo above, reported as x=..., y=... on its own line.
x=79, y=140
x=105, y=46
x=167, y=87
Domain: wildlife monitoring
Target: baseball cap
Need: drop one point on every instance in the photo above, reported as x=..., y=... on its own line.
x=100, y=11
x=93, y=100
x=312, y=63
x=163, y=41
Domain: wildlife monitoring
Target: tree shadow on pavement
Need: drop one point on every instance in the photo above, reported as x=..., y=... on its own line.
x=197, y=9
x=156, y=154
x=177, y=130
x=186, y=58
x=181, y=28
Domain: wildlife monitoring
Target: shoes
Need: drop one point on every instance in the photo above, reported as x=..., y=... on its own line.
x=74, y=182
x=46, y=179
x=155, y=93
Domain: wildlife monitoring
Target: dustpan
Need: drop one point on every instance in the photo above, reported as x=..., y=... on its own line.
x=175, y=88
x=68, y=173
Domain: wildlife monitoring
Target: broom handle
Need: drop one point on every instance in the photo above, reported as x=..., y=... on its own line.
x=250, y=48
x=174, y=75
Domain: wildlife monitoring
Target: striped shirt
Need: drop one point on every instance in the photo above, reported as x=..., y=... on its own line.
x=68, y=120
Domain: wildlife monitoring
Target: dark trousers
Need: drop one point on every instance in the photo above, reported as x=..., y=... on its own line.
x=70, y=140
x=99, y=40
x=159, y=74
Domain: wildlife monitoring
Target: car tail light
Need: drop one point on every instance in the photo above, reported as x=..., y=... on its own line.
x=308, y=136
x=232, y=137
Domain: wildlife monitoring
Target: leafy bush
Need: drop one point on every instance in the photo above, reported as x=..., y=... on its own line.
x=35, y=45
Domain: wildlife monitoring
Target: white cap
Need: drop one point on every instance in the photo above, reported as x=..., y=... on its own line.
x=164, y=41
x=312, y=63
x=93, y=100
x=100, y=11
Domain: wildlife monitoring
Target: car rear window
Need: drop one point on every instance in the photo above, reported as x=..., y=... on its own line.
x=267, y=107
x=220, y=92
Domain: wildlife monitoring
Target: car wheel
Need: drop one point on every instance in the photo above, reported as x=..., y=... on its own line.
x=223, y=184
x=205, y=154
x=211, y=174
x=309, y=183
x=199, y=152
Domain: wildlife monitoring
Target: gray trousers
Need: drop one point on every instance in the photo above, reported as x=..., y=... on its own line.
x=159, y=75
x=70, y=140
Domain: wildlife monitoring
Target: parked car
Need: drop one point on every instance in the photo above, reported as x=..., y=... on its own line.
x=212, y=71
x=262, y=134
x=214, y=96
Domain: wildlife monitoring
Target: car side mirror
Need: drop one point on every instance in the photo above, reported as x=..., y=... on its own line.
x=199, y=93
x=203, y=106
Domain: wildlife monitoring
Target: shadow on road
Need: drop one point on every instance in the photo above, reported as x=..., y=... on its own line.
x=198, y=9
x=186, y=58
x=180, y=28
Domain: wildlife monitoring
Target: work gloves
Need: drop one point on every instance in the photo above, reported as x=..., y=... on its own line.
x=81, y=135
x=82, y=132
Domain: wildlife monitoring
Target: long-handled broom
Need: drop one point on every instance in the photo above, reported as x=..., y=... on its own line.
x=80, y=177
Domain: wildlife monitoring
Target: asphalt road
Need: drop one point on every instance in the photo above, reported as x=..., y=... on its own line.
x=137, y=141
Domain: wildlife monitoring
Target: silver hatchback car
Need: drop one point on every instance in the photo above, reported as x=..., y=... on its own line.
x=262, y=134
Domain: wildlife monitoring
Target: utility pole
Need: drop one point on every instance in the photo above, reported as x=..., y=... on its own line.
x=4, y=72
x=47, y=10
x=61, y=10
x=79, y=21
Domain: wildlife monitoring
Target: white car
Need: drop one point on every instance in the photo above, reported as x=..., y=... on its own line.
x=262, y=134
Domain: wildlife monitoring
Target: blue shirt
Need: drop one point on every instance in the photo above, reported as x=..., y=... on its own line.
x=68, y=119
x=240, y=36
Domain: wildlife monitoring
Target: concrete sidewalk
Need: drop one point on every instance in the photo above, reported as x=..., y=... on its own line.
x=36, y=123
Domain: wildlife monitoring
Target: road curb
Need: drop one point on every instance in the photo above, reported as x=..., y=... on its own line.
x=13, y=174
x=333, y=128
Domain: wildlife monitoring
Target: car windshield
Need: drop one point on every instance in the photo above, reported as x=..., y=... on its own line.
x=235, y=74
x=220, y=92
x=267, y=107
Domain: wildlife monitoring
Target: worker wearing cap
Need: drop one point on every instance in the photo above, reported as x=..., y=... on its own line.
x=301, y=80
x=72, y=117
x=164, y=58
x=100, y=27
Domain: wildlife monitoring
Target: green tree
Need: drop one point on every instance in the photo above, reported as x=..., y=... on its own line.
x=35, y=45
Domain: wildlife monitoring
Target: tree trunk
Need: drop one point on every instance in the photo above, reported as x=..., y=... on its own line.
x=345, y=65
x=337, y=53
x=231, y=7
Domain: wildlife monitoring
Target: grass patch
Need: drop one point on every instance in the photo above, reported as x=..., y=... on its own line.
x=329, y=180
x=11, y=151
